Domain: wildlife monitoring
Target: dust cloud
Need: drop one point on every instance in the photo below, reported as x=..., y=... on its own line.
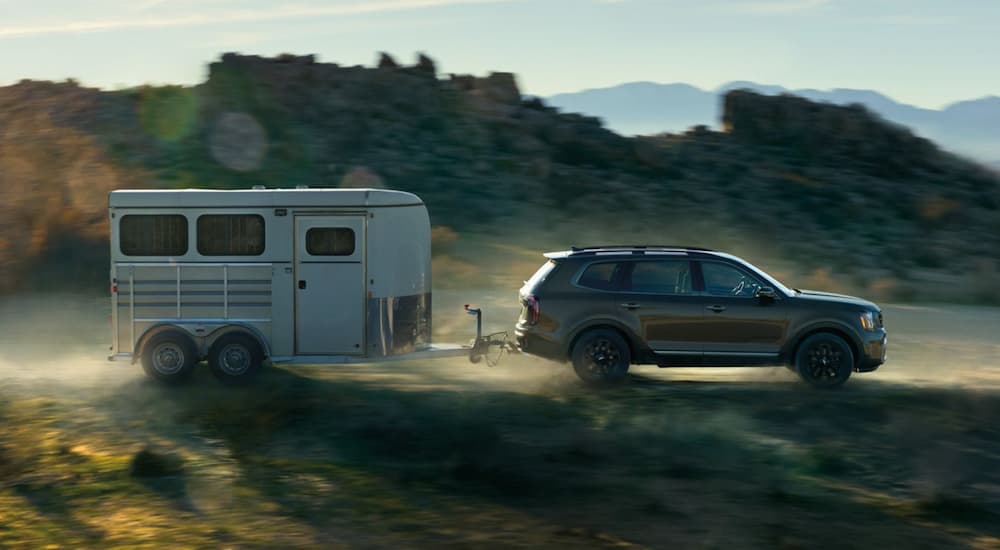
x=65, y=338
x=59, y=337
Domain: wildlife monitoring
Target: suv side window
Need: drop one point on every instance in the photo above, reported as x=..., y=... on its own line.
x=599, y=276
x=660, y=277
x=726, y=280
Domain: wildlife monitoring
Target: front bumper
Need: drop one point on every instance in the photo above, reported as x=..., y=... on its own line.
x=874, y=351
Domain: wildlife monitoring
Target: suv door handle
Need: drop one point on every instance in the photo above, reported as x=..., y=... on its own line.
x=631, y=305
x=717, y=309
x=302, y=285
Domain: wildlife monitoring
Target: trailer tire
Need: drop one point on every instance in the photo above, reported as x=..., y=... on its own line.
x=169, y=357
x=235, y=358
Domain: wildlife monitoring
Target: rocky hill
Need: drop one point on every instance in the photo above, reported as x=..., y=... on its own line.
x=830, y=191
x=969, y=128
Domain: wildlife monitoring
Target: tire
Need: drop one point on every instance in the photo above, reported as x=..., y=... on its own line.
x=169, y=357
x=601, y=357
x=235, y=358
x=824, y=360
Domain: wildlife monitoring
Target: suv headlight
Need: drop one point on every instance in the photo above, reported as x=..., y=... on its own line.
x=868, y=321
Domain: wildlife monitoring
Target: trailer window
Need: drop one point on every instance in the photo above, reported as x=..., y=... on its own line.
x=153, y=235
x=330, y=241
x=231, y=235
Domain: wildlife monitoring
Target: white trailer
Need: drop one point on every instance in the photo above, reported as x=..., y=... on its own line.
x=237, y=277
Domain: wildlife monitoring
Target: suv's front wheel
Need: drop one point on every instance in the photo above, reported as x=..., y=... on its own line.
x=601, y=356
x=824, y=360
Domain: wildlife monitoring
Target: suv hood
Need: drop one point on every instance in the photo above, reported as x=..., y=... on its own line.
x=840, y=298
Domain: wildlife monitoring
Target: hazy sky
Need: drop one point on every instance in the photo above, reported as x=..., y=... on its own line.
x=925, y=52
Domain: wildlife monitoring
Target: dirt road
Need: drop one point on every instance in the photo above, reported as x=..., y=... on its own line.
x=452, y=455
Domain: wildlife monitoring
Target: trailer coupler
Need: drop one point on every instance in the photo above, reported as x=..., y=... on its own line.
x=490, y=347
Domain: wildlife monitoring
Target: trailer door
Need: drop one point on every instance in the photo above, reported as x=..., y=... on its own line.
x=329, y=284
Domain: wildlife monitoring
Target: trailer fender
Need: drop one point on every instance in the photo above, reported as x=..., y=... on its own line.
x=156, y=329
x=202, y=334
x=252, y=331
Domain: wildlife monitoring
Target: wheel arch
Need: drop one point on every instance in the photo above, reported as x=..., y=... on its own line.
x=225, y=330
x=607, y=324
x=201, y=336
x=160, y=328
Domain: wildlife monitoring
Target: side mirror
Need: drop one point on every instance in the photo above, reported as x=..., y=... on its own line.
x=765, y=294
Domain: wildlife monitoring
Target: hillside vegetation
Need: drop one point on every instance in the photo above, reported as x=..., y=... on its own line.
x=828, y=196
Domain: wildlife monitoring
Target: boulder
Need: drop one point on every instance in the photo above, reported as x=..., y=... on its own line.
x=152, y=463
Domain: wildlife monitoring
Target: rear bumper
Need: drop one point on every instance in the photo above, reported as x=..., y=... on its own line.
x=533, y=343
x=874, y=351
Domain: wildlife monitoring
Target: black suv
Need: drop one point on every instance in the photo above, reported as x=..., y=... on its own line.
x=608, y=307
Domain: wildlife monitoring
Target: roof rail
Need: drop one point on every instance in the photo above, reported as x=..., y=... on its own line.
x=638, y=247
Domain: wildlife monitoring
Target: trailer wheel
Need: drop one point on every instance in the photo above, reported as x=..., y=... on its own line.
x=169, y=357
x=235, y=358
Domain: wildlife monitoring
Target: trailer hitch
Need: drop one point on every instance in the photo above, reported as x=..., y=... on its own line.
x=491, y=347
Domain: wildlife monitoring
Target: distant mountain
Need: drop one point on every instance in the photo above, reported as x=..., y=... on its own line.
x=970, y=128
x=644, y=108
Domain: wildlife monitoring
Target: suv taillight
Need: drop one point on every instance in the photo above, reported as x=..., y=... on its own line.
x=534, y=310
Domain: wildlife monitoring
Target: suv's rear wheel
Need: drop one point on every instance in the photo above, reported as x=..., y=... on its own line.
x=824, y=360
x=601, y=356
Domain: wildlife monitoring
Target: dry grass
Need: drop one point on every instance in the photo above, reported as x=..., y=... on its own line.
x=446, y=454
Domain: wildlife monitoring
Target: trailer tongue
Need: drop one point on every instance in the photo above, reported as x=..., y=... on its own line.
x=491, y=347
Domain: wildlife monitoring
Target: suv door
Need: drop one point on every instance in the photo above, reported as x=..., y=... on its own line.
x=738, y=327
x=658, y=299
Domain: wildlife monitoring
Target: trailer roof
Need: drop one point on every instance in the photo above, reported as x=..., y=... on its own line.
x=208, y=198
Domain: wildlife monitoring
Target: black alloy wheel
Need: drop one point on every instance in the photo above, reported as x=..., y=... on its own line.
x=824, y=360
x=601, y=356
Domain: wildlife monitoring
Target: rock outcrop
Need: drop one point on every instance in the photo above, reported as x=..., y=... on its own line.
x=426, y=65
x=385, y=61
x=819, y=131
